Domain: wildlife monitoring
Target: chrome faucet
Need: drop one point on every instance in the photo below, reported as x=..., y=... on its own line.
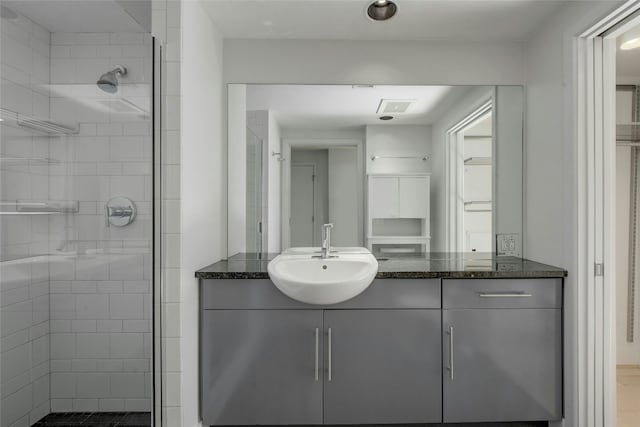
x=326, y=240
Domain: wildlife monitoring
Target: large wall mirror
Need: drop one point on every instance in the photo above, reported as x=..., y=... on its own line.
x=396, y=169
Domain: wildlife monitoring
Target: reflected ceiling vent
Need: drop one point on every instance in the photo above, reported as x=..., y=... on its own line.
x=395, y=106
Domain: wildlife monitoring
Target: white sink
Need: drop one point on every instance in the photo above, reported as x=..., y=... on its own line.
x=312, y=280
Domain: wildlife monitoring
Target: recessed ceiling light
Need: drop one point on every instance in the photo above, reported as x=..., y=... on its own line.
x=381, y=10
x=386, y=118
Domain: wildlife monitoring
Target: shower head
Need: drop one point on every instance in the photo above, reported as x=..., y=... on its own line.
x=108, y=82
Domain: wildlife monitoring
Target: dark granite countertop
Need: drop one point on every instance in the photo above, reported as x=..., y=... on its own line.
x=401, y=266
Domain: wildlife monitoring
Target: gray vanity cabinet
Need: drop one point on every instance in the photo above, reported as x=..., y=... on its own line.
x=261, y=367
x=502, y=350
x=382, y=367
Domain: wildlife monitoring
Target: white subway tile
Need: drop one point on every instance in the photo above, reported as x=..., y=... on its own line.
x=110, y=365
x=92, y=345
x=111, y=405
x=92, y=306
x=137, y=325
x=85, y=325
x=127, y=385
x=63, y=385
x=85, y=405
x=63, y=346
x=109, y=129
x=126, y=306
x=109, y=325
x=84, y=365
x=93, y=385
x=127, y=345
x=61, y=405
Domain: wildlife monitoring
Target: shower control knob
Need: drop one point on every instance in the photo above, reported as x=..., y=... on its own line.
x=120, y=211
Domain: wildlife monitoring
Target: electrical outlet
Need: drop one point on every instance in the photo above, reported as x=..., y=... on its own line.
x=508, y=244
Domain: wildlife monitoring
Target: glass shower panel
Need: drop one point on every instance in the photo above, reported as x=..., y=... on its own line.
x=75, y=222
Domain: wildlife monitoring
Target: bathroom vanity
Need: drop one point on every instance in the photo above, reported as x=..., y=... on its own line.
x=437, y=338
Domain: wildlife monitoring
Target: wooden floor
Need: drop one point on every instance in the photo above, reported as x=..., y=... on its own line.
x=628, y=391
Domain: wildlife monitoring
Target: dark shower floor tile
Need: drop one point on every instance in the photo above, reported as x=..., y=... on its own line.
x=96, y=419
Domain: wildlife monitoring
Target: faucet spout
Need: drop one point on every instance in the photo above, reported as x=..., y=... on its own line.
x=326, y=240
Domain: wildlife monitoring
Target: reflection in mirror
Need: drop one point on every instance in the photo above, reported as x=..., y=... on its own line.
x=396, y=169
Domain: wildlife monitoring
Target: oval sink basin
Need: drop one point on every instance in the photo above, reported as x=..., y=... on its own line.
x=314, y=280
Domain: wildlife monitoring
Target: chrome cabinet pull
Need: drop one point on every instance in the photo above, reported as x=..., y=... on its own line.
x=503, y=294
x=317, y=348
x=451, y=352
x=329, y=359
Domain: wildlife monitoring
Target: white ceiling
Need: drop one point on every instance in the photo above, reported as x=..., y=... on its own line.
x=343, y=106
x=512, y=20
x=85, y=16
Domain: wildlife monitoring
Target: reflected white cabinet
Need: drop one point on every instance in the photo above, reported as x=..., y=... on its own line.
x=398, y=212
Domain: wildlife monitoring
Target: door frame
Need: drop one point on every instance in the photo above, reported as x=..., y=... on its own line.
x=454, y=171
x=596, y=157
x=285, y=190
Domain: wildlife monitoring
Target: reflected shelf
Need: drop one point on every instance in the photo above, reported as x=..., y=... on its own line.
x=29, y=160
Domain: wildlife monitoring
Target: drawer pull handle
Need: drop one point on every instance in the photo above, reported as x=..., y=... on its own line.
x=503, y=295
x=450, y=367
x=330, y=366
x=317, y=349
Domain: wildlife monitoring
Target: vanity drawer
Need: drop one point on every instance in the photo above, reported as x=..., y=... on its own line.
x=247, y=294
x=502, y=293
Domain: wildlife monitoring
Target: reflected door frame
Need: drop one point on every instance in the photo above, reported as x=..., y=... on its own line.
x=454, y=172
x=320, y=144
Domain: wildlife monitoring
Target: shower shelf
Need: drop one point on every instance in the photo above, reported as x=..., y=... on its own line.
x=20, y=159
x=24, y=121
x=39, y=207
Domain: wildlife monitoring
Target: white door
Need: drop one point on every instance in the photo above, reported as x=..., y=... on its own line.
x=302, y=207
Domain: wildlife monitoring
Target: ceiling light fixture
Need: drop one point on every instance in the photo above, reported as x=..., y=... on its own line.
x=630, y=40
x=386, y=118
x=381, y=10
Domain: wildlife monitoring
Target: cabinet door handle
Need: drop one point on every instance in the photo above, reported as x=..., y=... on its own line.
x=329, y=358
x=503, y=294
x=450, y=367
x=317, y=349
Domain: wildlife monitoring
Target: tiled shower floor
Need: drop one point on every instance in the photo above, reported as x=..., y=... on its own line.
x=96, y=419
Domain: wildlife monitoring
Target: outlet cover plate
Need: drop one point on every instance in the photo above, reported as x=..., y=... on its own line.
x=508, y=244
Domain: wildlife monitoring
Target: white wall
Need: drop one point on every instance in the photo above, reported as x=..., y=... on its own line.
x=237, y=177
x=379, y=62
x=398, y=140
x=551, y=154
x=274, y=184
x=203, y=182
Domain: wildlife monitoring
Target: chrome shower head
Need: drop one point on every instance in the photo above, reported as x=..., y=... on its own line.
x=108, y=82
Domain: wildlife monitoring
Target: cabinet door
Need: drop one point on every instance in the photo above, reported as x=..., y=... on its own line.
x=385, y=367
x=413, y=196
x=259, y=367
x=502, y=365
x=383, y=197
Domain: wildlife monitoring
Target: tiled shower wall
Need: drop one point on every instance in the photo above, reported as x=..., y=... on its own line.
x=101, y=296
x=24, y=281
